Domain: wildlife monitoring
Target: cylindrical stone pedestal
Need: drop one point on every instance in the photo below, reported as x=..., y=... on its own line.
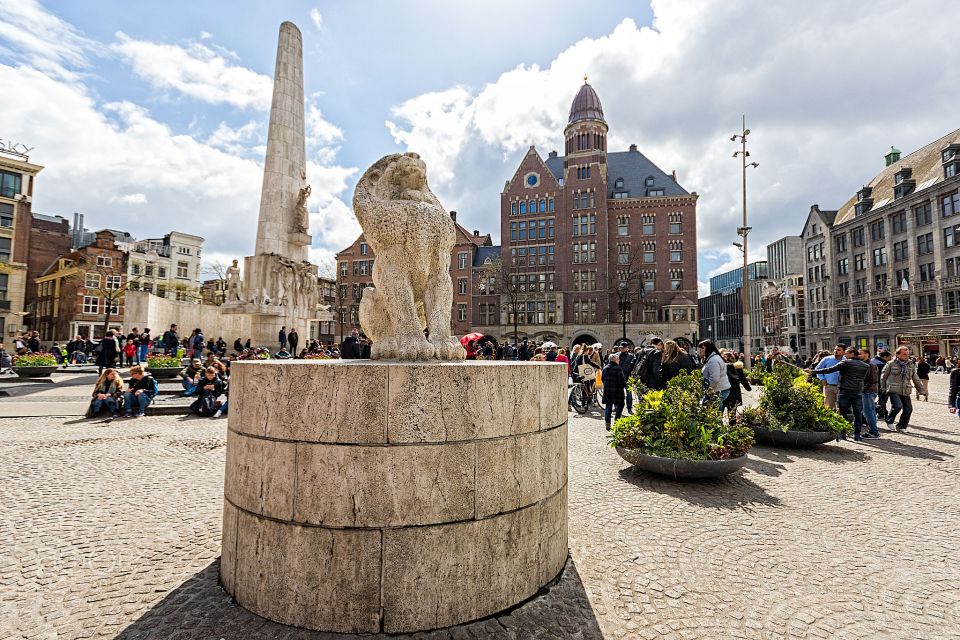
x=365, y=496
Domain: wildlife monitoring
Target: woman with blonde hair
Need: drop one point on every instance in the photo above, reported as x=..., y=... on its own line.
x=106, y=393
x=673, y=361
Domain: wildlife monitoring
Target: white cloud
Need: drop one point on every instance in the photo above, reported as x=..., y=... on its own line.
x=130, y=198
x=237, y=141
x=197, y=71
x=814, y=80
x=42, y=40
x=316, y=18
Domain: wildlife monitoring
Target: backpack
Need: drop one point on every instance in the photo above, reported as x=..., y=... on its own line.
x=208, y=406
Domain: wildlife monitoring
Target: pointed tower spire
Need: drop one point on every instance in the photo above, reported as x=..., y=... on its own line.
x=279, y=227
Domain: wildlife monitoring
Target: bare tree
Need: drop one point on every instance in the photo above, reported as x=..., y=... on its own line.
x=626, y=283
x=513, y=292
x=106, y=282
x=216, y=269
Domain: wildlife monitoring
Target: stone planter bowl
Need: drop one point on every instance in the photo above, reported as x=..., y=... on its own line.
x=35, y=372
x=798, y=439
x=164, y=373
x=682, y=469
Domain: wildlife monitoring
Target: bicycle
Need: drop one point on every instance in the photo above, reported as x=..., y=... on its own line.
x=584, y=394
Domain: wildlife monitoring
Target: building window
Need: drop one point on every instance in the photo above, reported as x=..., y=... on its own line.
x=649, y=257
x=344, y=268
x=859, y=262
x=623, y=225
x=860, y=286
x=843, y=266
x=950, y=204
x=879, y=282
x=675, y=228
x=902, y=277
x=364, y=248
x=675, y=256
x=182, y=270
x=898, y=223
x=648, y=229
x=623, y=253
x=951, y=236
x=461, y=285
x=551, y=207
x=857, y=237
x=876, y=231
x=648, y=182
x=926, y=272
x=654, y=192
x=113, y=282
x=161, y=291
x=901, y=308
x=91, y=304
x=6, y=215
x=148, y=270
x=879, y=256
x=951, y=302
x=162, y=272
x=901, y=251
x=513, y=208
x=104, y=261
x=461, y=312
x=618, y=183
x=532, y=206
x=523, y=207
x=91, y=281
x=462, y=260
x=922, y=214
x=925, y=244
x=542, y=208
x=9, y=184
x=926, y=305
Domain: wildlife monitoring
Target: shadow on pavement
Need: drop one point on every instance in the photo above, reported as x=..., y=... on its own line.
x=200, y=609
x=899, y=448
x=734, y=491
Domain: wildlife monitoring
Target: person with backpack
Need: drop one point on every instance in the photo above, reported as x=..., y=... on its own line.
x=141, y=390
x=210, y=388
x=171, y=341
x=648, y=364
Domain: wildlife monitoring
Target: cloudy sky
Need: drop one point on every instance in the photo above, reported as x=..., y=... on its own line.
x=152, y=116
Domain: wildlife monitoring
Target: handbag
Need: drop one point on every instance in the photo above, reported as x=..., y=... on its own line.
x=599, y=380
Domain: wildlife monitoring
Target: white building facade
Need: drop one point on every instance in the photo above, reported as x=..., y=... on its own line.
x=167, y=267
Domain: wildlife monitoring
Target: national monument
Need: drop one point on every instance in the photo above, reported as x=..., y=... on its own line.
x=427, y=492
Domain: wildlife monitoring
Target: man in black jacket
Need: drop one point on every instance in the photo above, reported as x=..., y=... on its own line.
x=648, y=366
x=351, y=348
x=853, y=373
x=627, y=361
x=171, y=341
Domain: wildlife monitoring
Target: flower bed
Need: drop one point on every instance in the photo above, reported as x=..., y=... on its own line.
x=34, y=365
x=680, y=423
x=793, y=406
x=164, y=367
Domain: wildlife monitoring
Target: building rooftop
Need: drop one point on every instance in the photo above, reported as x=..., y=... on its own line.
x=634, y=168
x=586, y=105
x=485, y=253
x=927, y=171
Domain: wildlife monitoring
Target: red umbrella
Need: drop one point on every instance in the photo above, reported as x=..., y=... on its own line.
x=470, y=337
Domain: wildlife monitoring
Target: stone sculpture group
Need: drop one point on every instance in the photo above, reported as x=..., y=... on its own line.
x=412, y=236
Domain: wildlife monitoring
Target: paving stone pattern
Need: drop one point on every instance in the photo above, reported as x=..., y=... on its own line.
x=113, y=530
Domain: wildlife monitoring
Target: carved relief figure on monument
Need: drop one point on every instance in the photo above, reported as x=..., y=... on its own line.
x=412, y=236
x=302, y=216
x=234, y=284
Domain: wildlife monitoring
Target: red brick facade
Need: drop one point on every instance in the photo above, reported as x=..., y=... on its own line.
x=49, y=239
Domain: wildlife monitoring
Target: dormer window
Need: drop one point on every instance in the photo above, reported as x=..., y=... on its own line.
x=903, y=183
x=649, y=181
x=951, y=161
x=618, y=183
x=864, y=194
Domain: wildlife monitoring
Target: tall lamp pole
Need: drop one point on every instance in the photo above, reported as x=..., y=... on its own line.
x=743, y=231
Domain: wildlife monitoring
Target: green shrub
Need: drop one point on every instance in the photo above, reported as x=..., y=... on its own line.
x=163, y=362
x=794, y=404
x=35, y=360
x=681, y=422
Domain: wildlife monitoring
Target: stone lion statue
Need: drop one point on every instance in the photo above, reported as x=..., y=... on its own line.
x=412, y=236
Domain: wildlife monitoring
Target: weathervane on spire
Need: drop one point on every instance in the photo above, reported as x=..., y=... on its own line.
x=584, y=78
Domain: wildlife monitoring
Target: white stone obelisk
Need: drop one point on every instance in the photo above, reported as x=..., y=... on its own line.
x=285, y=166
x=280, y=284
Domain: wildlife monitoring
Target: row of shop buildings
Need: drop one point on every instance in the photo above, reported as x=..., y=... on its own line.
x=880, y=271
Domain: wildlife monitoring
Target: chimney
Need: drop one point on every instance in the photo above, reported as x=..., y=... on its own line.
x=553, y=154
x=453, y=216
x=633, y=148
x=476, y=233
x=673, y=174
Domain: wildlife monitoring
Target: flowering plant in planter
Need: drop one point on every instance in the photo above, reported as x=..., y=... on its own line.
x=34, y=360
x=318, y=356
x=790, y=402
x=681, y=422
x=163, y=362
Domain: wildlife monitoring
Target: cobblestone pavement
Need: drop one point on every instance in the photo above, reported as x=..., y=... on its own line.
x=113, y=530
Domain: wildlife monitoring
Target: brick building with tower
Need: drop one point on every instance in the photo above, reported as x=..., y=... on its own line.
x=595, y=244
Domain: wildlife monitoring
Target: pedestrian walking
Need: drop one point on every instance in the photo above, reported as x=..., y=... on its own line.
x=627, y=360
x=953, y=399
x=715, y=377
x=923, y=372
x=882, y=358
x=871, y=385
x=171, y=341
x=672, y=361
x=738, y=378
x=898, y=378
x=282, y=336
x=294, y=339
x=144, y=345
x=614, y=388
x=830, y=381
x=107, y=352
x=852, y=373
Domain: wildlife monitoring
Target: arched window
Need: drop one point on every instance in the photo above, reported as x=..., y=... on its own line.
x=513, y=208
x=543, y=205
x=523, y=206
x=583, y=200
x=532, y=207
x=551, y=205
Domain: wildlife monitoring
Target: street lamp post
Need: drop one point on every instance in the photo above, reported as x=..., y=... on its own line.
x=623, y=309
x=743, y=231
